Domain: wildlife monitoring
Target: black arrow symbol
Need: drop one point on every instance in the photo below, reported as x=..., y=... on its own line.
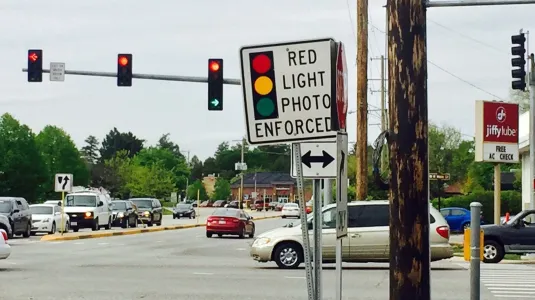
x=325, y=158
x=65, y=182
x=60, y=179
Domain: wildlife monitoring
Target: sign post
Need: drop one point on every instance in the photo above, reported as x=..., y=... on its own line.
x=440, y=177
x=496, y=140
x=62, y=184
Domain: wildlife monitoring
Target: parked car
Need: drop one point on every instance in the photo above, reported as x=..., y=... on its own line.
x=514, y=237
x=260, y=205
x=125, y=214
x=367, y=239
x=273, y=205
x=233, y=204
x=47, y=218
x=5, y=249
x=17, y=210
x=4, y=225
x=290, y=210
x=220, y=203
x=149, y=210
x=206, y=203
x=230, y=221
x=458, y=218
x=184, y=210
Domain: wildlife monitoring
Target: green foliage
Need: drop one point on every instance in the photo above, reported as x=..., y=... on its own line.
x=194, y=187
x=116, y=141
x=511, y=201
x=167, y=160
x=222, y=189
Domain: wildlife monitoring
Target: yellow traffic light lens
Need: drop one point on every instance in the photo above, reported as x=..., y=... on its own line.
x=263, y=85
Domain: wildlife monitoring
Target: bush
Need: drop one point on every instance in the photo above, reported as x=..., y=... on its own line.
x=511, y=202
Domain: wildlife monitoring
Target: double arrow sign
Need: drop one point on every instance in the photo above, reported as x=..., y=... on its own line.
x=308, y=159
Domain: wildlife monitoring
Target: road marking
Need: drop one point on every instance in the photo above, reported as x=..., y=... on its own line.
x=513, y=281
x=79, y=243
x=159, y=241
x=102, y=244
x=294, y=277
x=56, y=243
x=241, y=249
x=200, y=273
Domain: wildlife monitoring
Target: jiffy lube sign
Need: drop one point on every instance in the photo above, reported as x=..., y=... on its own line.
x=496, y=132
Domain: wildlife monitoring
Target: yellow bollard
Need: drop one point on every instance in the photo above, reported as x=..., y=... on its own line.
x=466, y=244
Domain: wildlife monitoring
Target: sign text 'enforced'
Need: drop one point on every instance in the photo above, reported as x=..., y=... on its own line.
x=287, y=91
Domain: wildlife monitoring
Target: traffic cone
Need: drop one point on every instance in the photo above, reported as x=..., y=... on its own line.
x=507, y=217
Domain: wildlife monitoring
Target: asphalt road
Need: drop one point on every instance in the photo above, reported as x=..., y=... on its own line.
x=184, y=264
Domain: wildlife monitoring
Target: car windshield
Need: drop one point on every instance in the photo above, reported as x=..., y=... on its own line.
x=514, y=219
x=119, y=206
x=41, y=210
x=142, y=203
x=81, y=200
x=226, y=212
x=5, y=206
x=183, y=206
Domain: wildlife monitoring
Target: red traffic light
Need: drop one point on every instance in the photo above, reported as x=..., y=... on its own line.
x=261, y=64
x=214, y=66
x=123, y=61
x=33, y=56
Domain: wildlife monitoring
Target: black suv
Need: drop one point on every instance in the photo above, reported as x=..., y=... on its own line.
x=149, y=210
x=18, y=213
x=124, y=214
x=516, y=236
x=184, y=210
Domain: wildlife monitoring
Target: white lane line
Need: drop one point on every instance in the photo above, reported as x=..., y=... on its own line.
x=159, y=241
x=79, y=243
x=200, y=273
x=294, y=277
x=241, y=249
x=102, y=244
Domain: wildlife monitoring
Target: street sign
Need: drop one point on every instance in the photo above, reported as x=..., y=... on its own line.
x=57, y=71
x=439, y=176
x=63, y=182
x=287, y=91
x=341, y=184
x=318, y=160
x=339, y=106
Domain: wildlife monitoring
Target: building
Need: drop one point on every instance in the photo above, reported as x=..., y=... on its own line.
x=276, y=186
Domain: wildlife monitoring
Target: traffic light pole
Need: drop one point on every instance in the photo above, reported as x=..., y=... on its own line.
x=532, y=129
x=456, y=3
x=146, y=76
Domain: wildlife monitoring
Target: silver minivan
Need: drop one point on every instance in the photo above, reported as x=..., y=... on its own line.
x=367, y=239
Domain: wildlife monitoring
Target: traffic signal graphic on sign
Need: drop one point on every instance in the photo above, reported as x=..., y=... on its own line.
x=35, y=65
x=124, y=70
x=518, y=62
x=215, y=84
x=263, y=83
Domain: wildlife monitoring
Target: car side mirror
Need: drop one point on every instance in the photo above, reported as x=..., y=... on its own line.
x=100, y=203
x=16, y=211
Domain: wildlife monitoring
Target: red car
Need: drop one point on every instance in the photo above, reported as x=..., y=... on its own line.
x=230, y=221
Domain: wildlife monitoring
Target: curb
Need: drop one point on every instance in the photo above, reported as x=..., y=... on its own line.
x=58, y=237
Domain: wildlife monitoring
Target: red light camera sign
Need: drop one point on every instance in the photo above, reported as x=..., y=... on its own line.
x=496, y=132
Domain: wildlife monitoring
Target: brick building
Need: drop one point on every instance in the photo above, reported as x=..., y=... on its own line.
x=277, y=186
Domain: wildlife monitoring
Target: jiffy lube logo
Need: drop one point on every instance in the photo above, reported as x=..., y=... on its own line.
x=500, y=122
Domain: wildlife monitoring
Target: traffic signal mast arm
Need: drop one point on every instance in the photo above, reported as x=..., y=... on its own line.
x=146, y=76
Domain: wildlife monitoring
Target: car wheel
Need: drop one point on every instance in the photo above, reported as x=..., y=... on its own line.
x=67, y=227
x=219, y=235
x=288, y=255
x=242, y=233
x=53, y=230
x=96, y=227
x=28, y=232
x=208, y=234
x=125, y=223
x=174, y=217
x=135, y=223
x=284, y=217
x=108, y=226
x=75, y=229
x=251, y=235
x=493, y=252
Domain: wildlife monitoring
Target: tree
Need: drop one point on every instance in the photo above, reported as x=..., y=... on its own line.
x=165, y=143
x=116, y=141
x=22, y=170
x=222, y=189
x=167, y=160
x=116, y=173
x=197, y=186
x=60, y=155
x=209, y=167
x=90, y=150
x=196, y=168
x=520, y=97
x=150, y=181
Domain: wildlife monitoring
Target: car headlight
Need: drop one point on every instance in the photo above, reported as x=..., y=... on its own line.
x=261, y=241
x=147, y=213
x=120, y=215
x=88, y=214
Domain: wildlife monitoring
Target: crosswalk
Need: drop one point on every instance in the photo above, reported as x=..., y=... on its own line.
x=509, y=281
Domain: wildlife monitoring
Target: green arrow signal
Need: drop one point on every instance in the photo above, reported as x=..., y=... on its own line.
x=215, y=102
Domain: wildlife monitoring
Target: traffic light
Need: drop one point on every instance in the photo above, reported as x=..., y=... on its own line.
x=35, y=65
x=264, y=92
x=518, y=62
x=124, y=70
x=215, y=84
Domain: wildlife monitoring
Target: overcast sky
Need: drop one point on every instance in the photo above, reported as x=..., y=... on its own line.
x=177, y=37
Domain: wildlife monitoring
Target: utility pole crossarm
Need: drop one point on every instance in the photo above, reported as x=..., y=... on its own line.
x=147, y=76
x=457, y=3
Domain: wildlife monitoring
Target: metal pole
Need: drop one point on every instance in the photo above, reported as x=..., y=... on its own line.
x=327, y=191
x=62, y=213
x=146, y=76
x=338, y=286
x=455, y=3
x=475, y=250
x=318, y=226
x=532, y=129
x=497, y=194
x=241, y=174
x=303, y=219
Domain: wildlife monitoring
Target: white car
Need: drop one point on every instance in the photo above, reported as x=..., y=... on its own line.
x=367, y=237
x=47, y=218
x=290, y=210
x=5, y=249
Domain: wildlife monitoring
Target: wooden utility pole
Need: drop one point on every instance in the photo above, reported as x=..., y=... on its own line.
x=362, y=101
x=409, y=180
x=384, y=120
